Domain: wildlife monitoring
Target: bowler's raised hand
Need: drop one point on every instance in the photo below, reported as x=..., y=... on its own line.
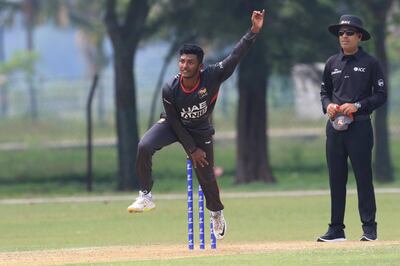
x=257, y=19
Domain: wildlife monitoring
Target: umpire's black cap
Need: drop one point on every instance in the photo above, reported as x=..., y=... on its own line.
x=351, y=21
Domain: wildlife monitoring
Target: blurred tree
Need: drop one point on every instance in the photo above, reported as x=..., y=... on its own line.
x=30, y=10
x=23, y=63
x=6, y=11
x=3, y=91
x=377, y=15
x=252, y=160
x=290, y=36
x=34, y=12
x=86, y=16
x=125, y=26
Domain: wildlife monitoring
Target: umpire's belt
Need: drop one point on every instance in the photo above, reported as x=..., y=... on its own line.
x=361, y=117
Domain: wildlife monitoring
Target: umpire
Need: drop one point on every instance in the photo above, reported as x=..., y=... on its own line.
x=353, y=86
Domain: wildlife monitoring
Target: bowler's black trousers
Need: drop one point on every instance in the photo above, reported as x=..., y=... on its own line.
x=355, y=143
x=161, y=135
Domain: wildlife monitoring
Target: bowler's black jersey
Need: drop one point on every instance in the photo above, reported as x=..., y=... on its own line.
x=189, y=111
x=353, y=78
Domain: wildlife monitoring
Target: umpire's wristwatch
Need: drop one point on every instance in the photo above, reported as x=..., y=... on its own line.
x=357, y=105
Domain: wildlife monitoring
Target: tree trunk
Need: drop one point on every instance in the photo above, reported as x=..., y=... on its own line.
x=30, y=9
x=3, y=86
x=31, y=83
x=124, y=39
x=252, y=142
x=383, y=165
x=4, y=99
x=127, y=130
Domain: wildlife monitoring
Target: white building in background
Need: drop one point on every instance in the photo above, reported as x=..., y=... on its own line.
x=307, y=85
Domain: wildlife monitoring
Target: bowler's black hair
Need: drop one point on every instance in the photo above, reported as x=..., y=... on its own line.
x=192, y=49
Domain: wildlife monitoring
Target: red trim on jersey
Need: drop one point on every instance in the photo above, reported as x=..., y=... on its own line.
x=214, y=98
x=191, y=90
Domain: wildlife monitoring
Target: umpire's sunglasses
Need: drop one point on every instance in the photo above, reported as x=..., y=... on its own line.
x=347, y=32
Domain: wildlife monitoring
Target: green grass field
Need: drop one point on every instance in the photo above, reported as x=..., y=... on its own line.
x=251, y=220
x=350, y=256
x=298, y=163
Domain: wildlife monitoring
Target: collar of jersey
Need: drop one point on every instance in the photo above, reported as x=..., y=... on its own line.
x=191, y=90
x=356, y=55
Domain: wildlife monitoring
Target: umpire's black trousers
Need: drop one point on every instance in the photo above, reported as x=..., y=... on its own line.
x=355, y=143
x=161, y=135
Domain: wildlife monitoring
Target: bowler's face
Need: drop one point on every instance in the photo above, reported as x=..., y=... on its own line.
x=189, y=65
x=349, y=39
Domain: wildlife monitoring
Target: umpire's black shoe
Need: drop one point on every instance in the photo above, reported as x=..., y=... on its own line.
x=333, y=235
x=369, y=235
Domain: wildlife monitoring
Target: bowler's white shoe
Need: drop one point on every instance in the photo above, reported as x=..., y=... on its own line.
x=219, y=224
x=143, y=203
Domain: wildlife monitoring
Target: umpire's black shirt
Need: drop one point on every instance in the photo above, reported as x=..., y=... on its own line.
x=353, y=78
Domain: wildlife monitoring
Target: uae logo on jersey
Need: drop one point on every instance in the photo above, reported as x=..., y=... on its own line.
x=202, y=93
x=196, y=111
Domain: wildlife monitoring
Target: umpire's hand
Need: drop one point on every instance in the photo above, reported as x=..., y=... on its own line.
x=348, y=108
x=199, y=158
x=332, y=110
